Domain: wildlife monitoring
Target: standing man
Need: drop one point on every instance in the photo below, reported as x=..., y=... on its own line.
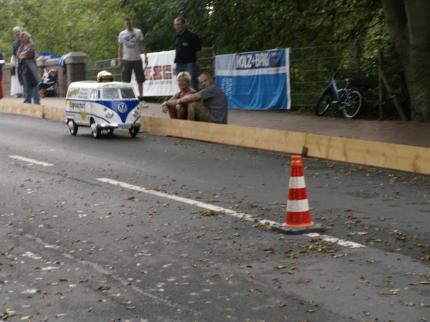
x=130, y=48
x=187, y=46
x=15, y=85
x=1, y=74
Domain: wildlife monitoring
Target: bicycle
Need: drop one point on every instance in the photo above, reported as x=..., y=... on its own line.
x=347, y=100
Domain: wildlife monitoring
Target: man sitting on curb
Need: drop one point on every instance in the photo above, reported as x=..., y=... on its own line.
x=208, y=105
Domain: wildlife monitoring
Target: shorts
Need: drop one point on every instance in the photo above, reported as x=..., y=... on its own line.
x=132, y=65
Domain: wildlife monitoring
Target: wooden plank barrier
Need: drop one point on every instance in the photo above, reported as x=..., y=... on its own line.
x=371, y=153
x=379, y=154
x=21, y=108
x=54, y=113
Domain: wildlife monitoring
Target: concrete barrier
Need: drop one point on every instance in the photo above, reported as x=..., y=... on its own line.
x=371, y=153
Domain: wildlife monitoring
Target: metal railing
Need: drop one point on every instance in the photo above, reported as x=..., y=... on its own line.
x=308, y=71
x=206, y=63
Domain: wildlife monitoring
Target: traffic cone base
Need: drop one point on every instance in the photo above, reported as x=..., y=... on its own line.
x=288, y=230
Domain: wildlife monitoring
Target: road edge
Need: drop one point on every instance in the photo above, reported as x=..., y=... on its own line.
x=407, y=158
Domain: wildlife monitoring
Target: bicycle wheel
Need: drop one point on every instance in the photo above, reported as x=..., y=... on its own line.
x=323, y=104
x=352, y=104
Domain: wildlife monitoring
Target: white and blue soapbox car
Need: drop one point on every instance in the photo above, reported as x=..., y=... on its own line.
x=103, y=107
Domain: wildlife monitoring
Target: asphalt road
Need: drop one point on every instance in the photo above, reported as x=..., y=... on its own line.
x=74, y=248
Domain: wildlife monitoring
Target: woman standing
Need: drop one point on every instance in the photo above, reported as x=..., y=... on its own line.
x=27, y=69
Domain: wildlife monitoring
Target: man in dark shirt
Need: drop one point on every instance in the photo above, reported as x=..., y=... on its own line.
x=187, y=46
x=208, y=105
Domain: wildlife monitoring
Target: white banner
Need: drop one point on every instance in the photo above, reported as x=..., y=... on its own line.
x=160, y=74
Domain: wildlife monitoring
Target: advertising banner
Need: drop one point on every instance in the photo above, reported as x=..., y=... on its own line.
x=257, y=80
x=160, y=77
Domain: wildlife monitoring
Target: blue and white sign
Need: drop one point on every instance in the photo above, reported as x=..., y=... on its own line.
x=257, y=80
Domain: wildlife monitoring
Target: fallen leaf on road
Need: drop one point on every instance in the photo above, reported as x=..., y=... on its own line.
x=210, y=213
x=103, y=287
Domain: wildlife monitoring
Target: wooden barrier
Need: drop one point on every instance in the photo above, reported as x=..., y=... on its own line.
x=21, y=109
x=258, y=138
x=54, y=113
x=379, y=154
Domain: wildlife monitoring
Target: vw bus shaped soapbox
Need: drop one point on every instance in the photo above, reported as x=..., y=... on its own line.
x=103, y=107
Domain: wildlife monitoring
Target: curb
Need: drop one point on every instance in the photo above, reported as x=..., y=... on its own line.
x=407, y=158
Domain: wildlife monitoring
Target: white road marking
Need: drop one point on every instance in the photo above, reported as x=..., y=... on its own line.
x=334, y=240
x=229, y=212
x=31, y=161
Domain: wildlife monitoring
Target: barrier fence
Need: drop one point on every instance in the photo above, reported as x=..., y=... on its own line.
x=308, y=70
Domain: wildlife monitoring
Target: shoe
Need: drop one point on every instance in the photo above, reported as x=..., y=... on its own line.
x=140, y=98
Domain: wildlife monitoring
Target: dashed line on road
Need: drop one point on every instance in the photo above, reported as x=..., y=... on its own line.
x=30, y=161
x=239, y=215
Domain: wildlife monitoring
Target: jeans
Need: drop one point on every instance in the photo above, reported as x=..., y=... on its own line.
x=31, y=93
x=191, y=68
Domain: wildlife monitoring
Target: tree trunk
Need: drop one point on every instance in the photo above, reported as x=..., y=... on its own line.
x=409, y=25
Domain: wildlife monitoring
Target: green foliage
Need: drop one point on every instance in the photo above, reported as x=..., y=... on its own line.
x=241, y=25
x=92, y=26
x=61, y=26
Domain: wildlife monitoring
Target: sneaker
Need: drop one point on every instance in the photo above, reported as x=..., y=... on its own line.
x=140, y=98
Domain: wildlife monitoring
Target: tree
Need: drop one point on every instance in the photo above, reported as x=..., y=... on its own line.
x=61, y=26
x=409, y=25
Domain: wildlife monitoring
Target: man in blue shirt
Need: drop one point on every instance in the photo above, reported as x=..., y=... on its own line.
x=16, y=88
x=17, y=43
x=1, y=74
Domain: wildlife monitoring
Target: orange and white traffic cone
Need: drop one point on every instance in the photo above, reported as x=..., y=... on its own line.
x=298, y=217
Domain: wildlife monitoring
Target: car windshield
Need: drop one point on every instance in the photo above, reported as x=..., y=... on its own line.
x=110, y=93
x=127, y=93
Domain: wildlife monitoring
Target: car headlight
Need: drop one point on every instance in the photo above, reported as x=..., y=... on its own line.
x=109, y=114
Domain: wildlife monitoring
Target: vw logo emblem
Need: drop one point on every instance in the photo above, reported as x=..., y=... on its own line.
x=122, y=108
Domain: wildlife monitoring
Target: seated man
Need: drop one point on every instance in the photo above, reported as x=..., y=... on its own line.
x=208, y=105
x=176, y=110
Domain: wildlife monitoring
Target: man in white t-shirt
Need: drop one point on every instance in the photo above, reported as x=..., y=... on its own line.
x=130, y=48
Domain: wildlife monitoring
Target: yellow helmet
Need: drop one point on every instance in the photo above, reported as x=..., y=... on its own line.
x=104, y=76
